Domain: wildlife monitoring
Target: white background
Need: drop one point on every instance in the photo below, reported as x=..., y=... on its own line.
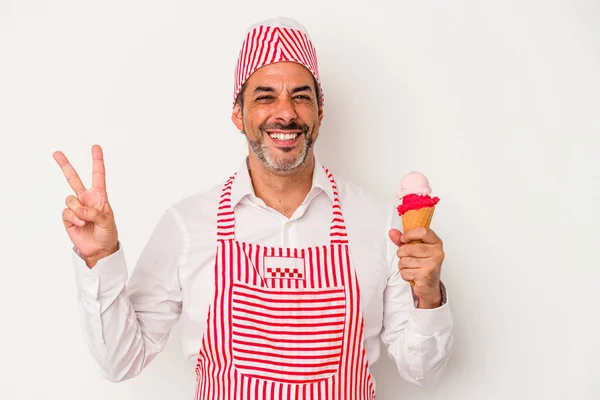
x=497, y=102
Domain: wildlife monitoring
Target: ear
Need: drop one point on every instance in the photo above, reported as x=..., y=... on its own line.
x=320, y=115
x=236, y=117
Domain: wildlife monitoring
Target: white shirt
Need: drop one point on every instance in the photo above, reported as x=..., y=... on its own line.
x=127, y=324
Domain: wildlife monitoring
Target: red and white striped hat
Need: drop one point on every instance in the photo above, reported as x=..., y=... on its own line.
x=271, y=41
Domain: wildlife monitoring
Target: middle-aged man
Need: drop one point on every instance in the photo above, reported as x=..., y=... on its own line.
x=285, y=276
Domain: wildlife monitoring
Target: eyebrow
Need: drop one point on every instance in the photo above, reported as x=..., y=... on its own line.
x=262, y=89
x=305, y=88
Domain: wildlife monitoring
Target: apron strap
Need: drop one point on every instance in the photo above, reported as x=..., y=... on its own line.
x=337, y=230
x=226, y=217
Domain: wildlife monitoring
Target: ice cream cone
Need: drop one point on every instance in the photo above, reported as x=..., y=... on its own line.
x=416, y=205
x=417, y=218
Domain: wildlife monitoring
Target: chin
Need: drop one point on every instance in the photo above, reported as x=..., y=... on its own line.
x=285, y=165
x=283, y=161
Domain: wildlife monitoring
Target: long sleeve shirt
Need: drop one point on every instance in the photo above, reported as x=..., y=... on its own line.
x=127, y=322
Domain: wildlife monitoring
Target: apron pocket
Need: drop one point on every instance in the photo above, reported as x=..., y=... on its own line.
x=287, y=335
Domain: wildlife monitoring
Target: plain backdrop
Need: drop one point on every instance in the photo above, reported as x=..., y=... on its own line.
x=497, y=102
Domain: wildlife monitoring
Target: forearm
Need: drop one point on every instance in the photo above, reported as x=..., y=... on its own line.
x=418, y=339
x=111, y=328
x=126, y=327
x=422, y=348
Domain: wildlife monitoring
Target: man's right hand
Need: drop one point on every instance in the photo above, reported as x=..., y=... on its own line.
x=88, y=218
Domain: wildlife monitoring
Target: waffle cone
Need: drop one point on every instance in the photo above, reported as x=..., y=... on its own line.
x=417, y=218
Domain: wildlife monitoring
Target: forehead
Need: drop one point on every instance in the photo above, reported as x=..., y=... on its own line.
x=281, y=75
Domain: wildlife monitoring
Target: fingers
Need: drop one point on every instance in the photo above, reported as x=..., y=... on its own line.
x=93, y=215
x=69, y=172
x=411, y=263
x=396, y=236
x=409, y=275
x=70, y=219
x=420, y=257
x=425, y=235
x=419, y=250
x=73, y=203
x=98, y=170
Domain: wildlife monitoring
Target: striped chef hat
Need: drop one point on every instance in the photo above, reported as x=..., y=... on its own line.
x=271, y=41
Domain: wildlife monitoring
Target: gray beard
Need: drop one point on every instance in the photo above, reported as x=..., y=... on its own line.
x=280, y=167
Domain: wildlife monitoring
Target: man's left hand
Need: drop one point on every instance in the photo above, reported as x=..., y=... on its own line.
x=421, y=263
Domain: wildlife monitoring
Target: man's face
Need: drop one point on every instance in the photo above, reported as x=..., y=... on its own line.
x=281, y=116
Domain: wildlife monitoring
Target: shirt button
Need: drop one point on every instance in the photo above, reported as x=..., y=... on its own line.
x=92, y=279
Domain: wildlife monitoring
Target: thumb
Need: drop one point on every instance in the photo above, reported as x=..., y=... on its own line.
x=396, y=237
x=93, y=215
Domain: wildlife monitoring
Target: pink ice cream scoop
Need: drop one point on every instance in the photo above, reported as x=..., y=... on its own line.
x=413, y=183
x=414, y=193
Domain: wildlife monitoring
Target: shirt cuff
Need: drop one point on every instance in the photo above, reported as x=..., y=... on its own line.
x=430, y=321
x=109, y=273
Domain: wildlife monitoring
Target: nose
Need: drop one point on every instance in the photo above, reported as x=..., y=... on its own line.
x=285, y=111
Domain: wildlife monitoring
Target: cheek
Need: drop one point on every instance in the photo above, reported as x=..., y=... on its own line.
x=256, y=117
x=308, y=116
x=315, y=126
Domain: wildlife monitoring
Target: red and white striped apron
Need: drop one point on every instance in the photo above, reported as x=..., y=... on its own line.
x=285, y=323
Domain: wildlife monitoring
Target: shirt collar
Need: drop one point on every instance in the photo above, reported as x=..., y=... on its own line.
x=242, y=185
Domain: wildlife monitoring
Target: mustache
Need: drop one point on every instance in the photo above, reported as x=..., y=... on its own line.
x=292, y=126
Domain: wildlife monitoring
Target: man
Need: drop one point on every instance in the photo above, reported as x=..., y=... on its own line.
x=285, y=276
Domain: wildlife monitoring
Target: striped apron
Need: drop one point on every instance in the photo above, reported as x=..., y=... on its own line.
x=285, y=323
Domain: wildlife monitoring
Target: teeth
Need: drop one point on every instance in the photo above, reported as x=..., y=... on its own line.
x=284, y=136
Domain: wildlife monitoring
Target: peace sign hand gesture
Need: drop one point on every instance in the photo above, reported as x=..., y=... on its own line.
x=88, y=218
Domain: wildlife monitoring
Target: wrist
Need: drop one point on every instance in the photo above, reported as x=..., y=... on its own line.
x=429, y=303
x=93, y=260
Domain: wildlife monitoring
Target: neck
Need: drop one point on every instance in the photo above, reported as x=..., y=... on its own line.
x=283, y=193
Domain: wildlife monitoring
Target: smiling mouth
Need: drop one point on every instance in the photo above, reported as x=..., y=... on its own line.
x=281, y=136
x=284, y=140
